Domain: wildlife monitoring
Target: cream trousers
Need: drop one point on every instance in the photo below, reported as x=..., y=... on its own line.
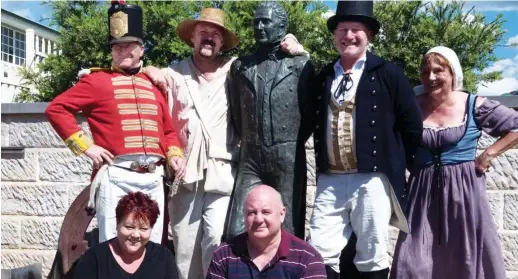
x=344, y=203
x=197, y=223
x=115, y=184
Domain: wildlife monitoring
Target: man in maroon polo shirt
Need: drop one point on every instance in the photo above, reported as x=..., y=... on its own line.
x=265, y=250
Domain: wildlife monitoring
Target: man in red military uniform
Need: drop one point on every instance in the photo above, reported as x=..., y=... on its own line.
x=130, y=124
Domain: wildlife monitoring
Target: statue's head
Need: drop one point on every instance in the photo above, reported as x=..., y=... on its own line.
x=270, y=23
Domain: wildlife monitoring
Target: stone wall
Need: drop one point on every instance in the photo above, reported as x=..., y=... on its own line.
x=41, y=178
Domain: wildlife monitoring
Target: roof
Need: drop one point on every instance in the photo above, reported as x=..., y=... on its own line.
x=512, y=93
x=30, y=21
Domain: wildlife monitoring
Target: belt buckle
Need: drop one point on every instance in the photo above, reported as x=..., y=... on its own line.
x=142, y=164
x=134, y=166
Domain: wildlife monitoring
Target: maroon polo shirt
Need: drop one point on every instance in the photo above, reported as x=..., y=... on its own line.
x=295, y=259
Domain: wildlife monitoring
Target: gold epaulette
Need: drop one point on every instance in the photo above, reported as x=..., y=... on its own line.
x=84, y=72
x=99, y=69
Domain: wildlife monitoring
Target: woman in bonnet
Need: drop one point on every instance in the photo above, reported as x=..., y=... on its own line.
x=452, y=233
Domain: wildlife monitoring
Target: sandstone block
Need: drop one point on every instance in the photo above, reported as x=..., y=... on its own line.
x=10, y=233
x=74, y=191
x=311, y=168
x=310, y=196
x=504, y=173
x=19, y=169
x=310, y=143
x=393, y=235
x=497, y=207
x=5, y=134
x=20, y=258
x=485, y=141
x=42, y=200
x=40, y=233
x=35, y=131
x=510, y=213
x=510, y=250
x=63, y=166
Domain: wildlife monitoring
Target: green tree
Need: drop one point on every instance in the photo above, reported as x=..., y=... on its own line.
x=409, y=29
x=83, y=38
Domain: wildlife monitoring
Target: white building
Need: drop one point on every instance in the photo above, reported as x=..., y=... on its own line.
x=25, y=43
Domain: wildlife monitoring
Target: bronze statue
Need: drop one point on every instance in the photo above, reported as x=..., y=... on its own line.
x=269, y=95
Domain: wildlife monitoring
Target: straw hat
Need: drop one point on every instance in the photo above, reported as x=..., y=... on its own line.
x=209, y=15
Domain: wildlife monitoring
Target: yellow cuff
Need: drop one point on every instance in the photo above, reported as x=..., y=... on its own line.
x=174, y=151
x=78, y=142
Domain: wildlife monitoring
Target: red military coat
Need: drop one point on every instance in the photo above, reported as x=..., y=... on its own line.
x=126, y=114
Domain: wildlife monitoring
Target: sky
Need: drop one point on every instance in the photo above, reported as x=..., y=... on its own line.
x=507, y=56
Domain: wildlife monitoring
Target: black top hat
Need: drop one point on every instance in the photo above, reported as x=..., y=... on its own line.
x=362, y=11
x=125, y=23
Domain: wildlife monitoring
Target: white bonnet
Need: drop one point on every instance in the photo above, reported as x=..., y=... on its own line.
x=454, y=62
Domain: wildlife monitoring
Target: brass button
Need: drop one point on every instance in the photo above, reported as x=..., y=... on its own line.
x=316, y=127
x=316, y=154
x=375, y=168
x=373, y=79
x=319, y=97
x=374, y=139
x=317, y=112
x=374, y=108
x=374, y=153
x=286, y=105
x=373, y=93
x=316, y=141
x=373, y=123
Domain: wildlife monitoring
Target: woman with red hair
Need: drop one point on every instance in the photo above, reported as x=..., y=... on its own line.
x=130, y=254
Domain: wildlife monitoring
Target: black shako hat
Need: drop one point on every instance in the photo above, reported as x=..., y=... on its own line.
x=361, y=11
x=124, y=23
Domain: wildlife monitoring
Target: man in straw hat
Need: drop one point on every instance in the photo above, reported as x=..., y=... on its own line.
x=198, y=103
x=132, y=130
x=367, y=129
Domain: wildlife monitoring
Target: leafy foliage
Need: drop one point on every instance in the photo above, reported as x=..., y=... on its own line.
x=409, y=29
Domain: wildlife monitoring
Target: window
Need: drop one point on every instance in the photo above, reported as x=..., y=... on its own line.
x=13, y=46
x=40, y=44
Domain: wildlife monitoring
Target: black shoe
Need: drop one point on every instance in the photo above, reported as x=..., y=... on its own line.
x=380, y=274
x=331, y=274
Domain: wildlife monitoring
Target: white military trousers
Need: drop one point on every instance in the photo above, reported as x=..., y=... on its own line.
x=344, y=203
x=115, y=184
x=197, y=223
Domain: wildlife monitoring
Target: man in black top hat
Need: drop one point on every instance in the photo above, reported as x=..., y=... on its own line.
x=367, y=126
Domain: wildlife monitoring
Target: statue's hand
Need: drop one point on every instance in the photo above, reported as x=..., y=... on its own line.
x=162, y=81
x=291, y=45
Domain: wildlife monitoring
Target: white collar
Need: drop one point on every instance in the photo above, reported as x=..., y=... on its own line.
x=358, y=66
